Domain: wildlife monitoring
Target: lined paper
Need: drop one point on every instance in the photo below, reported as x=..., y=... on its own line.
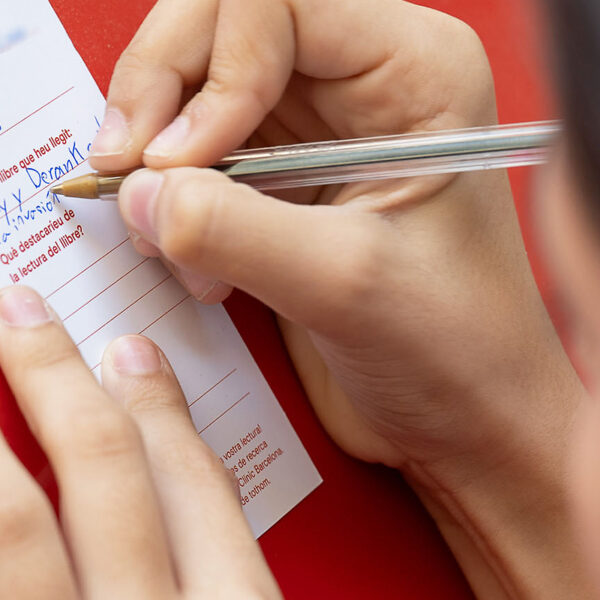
x=78, y=256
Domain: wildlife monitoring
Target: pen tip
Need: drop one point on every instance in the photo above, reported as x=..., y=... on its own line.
x=57, y=189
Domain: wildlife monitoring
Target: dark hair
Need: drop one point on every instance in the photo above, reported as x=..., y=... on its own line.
x=576, y=27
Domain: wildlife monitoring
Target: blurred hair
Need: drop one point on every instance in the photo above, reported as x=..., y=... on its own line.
x=576, y=28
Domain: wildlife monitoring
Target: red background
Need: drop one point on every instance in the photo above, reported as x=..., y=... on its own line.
x=362, y=533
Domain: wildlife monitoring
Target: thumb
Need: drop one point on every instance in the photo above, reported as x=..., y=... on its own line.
x=305, y=262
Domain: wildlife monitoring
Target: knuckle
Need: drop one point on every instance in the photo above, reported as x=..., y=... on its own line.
x=191, y=459
x=94, y=433
x=259, y=98
x=134, y=59
x=127, y=68
x=45, y=353
x=442, y=26
x=470, y=53
x=34, y=353
x=136, y=73
x=469, y=37
x=250, y=94
x=218, y=86
x=151, y=396
x=21, y=514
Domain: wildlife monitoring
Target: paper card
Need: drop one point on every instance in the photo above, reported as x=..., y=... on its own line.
x=76, y=253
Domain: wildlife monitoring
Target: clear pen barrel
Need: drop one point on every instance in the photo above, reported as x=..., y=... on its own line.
x=395, y=156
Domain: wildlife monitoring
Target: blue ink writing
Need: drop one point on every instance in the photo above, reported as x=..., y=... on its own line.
x=38, y=178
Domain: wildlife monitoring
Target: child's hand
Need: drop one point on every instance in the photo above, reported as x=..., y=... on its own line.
x=408, y=306
x=147, y=511
x=400, y=297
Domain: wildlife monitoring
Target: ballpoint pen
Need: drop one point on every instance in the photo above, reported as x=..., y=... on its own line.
x=346, y=161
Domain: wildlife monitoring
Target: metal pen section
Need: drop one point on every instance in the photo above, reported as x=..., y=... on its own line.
x=109, y=185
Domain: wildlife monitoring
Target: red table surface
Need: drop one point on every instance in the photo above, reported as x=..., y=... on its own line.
x=362, y=533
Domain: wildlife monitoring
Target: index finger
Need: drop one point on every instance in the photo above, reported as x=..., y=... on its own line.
x=256, y=48
x=169, y=53
x=213, y=549
x=362, y=65
x=110, y=509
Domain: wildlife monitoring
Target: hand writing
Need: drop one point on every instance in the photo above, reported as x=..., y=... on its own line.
x=384, y=287
x=407, y=306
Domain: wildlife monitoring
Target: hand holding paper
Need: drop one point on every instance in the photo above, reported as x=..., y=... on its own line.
x=139, y=488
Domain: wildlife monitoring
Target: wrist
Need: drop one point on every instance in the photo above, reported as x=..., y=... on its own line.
x=503, y=507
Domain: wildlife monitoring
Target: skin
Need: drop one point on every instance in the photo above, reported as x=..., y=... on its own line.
x=569, y=234
x=407, y=306
x=143, y=500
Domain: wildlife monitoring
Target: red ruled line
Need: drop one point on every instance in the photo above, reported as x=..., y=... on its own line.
x=88, y=267
x=164, y=314
x=36, y=111
x=152, y=323
x=210, y=389
x=125, y=309
x=224, y=413
x=106, y=288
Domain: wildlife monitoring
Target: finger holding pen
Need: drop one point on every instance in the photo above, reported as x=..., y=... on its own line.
x=247, y=66
x=408, y=302
x=168, y=56
x=241, y=71
x=246, y=77
x=200, y=221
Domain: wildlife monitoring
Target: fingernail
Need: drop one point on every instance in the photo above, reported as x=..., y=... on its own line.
x=170, y=139
x=134, y=355
x=22, y=307
x=197, y=285
x=113, y=136
x=137, y=198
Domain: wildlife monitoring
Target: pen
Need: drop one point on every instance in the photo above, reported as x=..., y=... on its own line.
x=345, y=161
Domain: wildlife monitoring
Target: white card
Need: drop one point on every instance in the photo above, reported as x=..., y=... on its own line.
x=76, y=253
